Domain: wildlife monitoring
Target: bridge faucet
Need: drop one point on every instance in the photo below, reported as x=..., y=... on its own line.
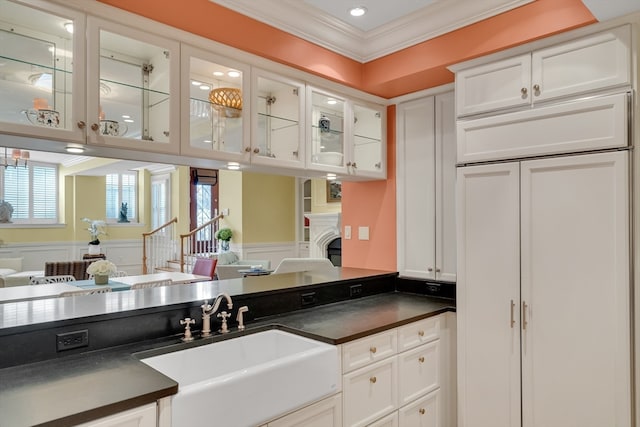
x=208, y=310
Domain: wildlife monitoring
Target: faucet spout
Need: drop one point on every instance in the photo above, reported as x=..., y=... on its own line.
x=208, y=309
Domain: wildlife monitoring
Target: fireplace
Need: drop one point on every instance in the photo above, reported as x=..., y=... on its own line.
x=324, y=228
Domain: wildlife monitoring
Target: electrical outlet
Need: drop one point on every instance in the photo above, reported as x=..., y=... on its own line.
x=355, y=291
x=308, y=299
x=70, y=340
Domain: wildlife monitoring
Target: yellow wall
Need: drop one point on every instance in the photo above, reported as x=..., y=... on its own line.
x=181, y=198
x=319, y=198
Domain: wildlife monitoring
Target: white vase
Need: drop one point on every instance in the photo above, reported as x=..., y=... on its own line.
x=94, y=249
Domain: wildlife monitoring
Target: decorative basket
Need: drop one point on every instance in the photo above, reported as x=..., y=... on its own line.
x=227, y=100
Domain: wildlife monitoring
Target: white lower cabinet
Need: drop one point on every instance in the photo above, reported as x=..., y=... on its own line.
x=409, y=385
x=424, y=412
x=143, y=416
x=325, y=413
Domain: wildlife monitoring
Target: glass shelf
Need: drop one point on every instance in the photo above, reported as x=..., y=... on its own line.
x=361, y=140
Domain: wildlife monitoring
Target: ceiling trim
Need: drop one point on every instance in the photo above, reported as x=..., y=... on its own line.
x=292, y=16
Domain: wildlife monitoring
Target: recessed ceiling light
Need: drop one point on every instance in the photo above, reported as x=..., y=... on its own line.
x=358, y=11
x=74, y=150
x=128, y=120
x=69, y=27
x=218, y=73
x=331, y=101
x=233, y=74
x=196, y=83
x=205, y=87
x=124, y=116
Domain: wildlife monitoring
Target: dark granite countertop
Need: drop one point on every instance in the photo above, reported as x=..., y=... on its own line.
x=78, y=388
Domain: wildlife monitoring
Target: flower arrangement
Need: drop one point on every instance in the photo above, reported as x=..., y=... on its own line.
x=102, y=268
x=96, y=228
x=224, y=234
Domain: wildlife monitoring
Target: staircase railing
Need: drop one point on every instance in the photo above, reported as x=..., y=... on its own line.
x=200, y=241
x=159, y=246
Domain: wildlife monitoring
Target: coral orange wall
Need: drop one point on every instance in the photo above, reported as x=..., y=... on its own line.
x=415, y=68
x=373, y=204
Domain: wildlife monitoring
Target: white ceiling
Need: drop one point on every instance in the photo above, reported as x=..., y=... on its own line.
x=389, y=25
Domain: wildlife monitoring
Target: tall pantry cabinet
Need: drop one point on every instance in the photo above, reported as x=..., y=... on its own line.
x=543, y=292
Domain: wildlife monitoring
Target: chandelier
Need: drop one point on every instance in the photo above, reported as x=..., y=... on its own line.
x=17, y=156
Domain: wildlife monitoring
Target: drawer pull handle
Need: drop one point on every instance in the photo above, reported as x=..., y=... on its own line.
x=373, y=349
x=421, y=333
x=373, y=380
x=421, y=359
x=422, y=411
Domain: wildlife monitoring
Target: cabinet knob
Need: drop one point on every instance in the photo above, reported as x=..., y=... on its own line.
x=420, y=333
x=95, y=127
x=256, y=150
x=82, y=124
x=378, y=165
x=348, y=164
x=524, y=91
x=429, y=269
x=437, y=270
x=421, y=359
x=354, y=165
x=373, y=380
x=373, y=349
x=536, y=90
x=422, y=411
x=247, y=149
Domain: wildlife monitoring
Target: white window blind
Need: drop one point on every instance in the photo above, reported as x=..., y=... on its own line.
x=33, y=193
x=121, y=188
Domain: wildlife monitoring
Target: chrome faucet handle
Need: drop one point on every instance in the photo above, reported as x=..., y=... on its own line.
x=224, y=316
x=239, y=318
x=187, y=328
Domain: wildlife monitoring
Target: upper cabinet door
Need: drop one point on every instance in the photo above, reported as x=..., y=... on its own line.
x=132, y=88
x=215, y=106
x=42, y=74
x=368, y=148
x=277, y=133
x=494, y=86
x=327, y=125
x=599, y=61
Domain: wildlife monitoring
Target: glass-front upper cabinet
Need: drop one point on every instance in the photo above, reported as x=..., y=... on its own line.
x=41, y=70
x=215, y=106
x=368, y=150
x=327, y=125
x=132, y=88
x=278, y=120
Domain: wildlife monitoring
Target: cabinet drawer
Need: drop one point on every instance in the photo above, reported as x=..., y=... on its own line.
x=364, y=351
x=418, y=372
x=424, y=412
x=143, y=416
x=370, y=393
x=390, y=420
x=419, y=333
x=583, y=125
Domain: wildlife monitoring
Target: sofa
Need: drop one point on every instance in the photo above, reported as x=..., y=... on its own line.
x=11, y=273
x=229, y=265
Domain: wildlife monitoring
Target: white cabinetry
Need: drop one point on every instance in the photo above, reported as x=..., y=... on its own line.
x=132, y=88
x=403, y=369
x=543, y=283
x=277, y=131
x=426, y=157
x=326, y=413
x=215, y=107
x=144, y=416
x=576, y=67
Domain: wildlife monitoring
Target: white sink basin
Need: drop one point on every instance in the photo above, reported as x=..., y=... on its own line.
x=248, y=380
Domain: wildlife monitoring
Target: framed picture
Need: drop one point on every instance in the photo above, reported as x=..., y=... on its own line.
x=334, y=191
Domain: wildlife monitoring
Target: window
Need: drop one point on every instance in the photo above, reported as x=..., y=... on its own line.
x=122, y=188
x=32, y=191
x=160, y=196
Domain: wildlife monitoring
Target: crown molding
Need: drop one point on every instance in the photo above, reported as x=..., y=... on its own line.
x=307, y=22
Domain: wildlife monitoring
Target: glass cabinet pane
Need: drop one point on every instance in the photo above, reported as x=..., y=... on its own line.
x=279, y=111
x=367, y=139
x=134, y=89
x=36, y=57
x=215, y=106
x=327, y=129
